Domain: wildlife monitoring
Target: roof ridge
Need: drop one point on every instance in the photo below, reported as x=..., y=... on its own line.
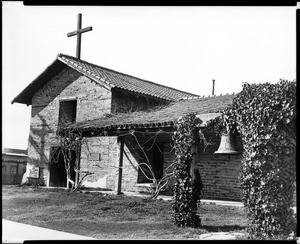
x=118, y=72
x=198, y=97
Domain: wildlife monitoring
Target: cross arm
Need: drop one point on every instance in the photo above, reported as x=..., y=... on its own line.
x=73, y=33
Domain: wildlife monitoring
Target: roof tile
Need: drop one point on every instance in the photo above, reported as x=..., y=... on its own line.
x=206, y=108
x=124, y=81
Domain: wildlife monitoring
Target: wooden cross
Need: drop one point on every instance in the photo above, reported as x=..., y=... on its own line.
x=78, y=32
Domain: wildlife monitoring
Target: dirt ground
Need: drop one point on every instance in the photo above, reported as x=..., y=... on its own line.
x=105, y=216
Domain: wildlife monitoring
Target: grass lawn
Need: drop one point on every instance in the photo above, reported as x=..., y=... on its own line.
x=110, y=216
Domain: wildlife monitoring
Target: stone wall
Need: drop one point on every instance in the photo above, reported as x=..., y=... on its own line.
x=92, y=102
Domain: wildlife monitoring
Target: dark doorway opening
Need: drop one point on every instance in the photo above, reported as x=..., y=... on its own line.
x=58, y=174
x=156, y=158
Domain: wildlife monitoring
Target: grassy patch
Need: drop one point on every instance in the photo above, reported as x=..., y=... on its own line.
x=106, y=216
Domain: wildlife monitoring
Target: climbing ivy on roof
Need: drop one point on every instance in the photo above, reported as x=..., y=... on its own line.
x=265, y=116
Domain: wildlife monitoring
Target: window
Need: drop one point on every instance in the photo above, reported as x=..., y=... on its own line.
x=67, y=112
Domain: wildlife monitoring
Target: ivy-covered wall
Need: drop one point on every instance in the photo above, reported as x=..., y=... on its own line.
x=265, y=117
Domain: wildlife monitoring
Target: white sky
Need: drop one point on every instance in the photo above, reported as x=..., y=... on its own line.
x=181, y=47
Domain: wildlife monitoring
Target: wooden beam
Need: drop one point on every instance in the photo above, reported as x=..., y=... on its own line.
x=121, y=140
x=73, y=33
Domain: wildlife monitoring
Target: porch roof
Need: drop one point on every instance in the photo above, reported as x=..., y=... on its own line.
x=206, y=109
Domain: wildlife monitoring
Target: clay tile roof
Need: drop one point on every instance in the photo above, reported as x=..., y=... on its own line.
x=206, y=108
x=113, y=78
x=103, y=76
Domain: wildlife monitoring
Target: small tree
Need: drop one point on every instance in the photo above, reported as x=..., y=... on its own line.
x=70, y=142
x=147, y=170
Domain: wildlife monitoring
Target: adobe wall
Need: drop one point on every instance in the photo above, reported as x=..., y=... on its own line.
x=220, y=173
x=100, y=156
x=92, y=101
x=123, y=101
x=134, y=153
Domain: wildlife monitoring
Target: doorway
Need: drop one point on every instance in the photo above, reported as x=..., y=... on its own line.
x=58, y=174
x=156, y=158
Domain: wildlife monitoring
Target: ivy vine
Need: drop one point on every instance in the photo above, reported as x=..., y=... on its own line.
x=265, y=116
x=187, y=191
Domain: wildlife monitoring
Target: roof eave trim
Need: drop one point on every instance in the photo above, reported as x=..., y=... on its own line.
x=18, y=98
x=85, y=72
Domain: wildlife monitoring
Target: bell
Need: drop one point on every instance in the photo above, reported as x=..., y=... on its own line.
x=228, y=145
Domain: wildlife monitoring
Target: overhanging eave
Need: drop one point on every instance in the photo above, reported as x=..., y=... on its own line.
x=26, y=95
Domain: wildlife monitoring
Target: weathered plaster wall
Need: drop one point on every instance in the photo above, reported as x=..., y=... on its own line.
x=99, y=155
x=92, y=102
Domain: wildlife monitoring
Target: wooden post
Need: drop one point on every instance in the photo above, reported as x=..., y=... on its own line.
x=121, y=140
x=213, y=88
x=77, y=163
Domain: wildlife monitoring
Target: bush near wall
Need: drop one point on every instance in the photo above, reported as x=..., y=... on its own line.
x=265, y=116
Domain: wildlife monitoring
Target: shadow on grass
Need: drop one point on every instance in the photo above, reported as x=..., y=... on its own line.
x=115, y=229
x=224, y=228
